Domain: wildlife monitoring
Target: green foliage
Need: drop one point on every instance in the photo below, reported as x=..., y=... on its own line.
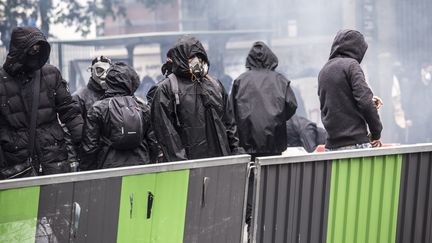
x=67, y=12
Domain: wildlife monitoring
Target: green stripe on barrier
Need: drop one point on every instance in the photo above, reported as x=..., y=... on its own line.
x=364, y=196
x=164, y=220
x=18, y=214
x=169, y=209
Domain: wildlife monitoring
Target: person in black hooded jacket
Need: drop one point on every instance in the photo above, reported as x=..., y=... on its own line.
x=346, y=101
x=197, y=123
x=121, y=80
x=28, y=54
x=86, y=97
x=263, y=101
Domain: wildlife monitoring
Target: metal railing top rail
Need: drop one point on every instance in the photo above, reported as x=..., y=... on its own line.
x=356, y=153
x=154, y=37
x=123, y=171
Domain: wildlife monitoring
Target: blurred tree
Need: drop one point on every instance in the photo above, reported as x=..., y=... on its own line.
x=77, y=13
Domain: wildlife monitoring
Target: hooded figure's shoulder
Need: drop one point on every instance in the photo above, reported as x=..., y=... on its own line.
x=164, y=86
x=83, y=93
x=99, y=108
x=48, y=69
x=281, y=78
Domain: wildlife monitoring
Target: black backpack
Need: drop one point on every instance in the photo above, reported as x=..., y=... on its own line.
x=126, y=125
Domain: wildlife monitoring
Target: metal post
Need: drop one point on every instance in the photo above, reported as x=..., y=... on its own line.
x=130, y=54
x=60, y=57
x=180, y=15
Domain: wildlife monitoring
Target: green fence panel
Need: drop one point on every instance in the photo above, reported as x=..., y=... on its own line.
x=134, y=226
x=18, y=214
x=169, y=206
x=159, y=221
x=364, y=196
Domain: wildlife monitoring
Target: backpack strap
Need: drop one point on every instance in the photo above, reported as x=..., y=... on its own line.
x=174, y=87
x=33, y=116
x=3, y=77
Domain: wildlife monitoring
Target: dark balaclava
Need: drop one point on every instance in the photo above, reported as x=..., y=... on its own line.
x=29, y=51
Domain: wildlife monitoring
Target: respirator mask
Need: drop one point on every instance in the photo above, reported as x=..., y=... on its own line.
x=99, y=71
x=198, y=68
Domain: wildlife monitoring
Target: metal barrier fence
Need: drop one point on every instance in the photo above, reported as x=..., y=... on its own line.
x=373, y=195
x=193, y=201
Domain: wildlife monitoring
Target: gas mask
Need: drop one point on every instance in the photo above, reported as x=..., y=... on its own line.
x=198, y=68
x=99, y=71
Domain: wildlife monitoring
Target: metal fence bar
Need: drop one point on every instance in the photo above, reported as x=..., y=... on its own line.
x=124, y=171
x=358, y=153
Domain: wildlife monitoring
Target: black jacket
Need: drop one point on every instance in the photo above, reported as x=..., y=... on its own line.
x=263, y=101
x=302, y=133
x=97, y=126
x=54, y=101
x=345, y=98
x=88, y=95
x=201, y=125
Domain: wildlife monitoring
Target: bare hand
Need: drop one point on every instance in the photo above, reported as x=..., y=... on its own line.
x=377, y=102
x=376, y=143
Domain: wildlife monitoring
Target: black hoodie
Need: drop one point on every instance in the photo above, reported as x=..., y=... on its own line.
x=263, y=101
x=346, y=102
x=55, y=102
x=121, y=80
x=201, y=125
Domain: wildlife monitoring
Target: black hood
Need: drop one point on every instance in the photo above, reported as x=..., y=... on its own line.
x=349, y=43
x=261, y=57
x=22, y=39
x=185, y=48
x=121, y=80
x=166, y=68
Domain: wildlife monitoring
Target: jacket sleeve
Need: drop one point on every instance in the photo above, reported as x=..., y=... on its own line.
x=290, y=99
x=76, y=98
x=163, y=120
x=230, y=122
x=150, y=137
x=363, y=96
x=150, y=94
x=91, y=138
x=68, y=109
x=2, y=159
x=308, y=133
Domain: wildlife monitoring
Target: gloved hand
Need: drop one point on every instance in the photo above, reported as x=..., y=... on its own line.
x=74, y=164
x=238, y=151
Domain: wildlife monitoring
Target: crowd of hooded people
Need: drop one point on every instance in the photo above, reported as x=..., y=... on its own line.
x=188, y=114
